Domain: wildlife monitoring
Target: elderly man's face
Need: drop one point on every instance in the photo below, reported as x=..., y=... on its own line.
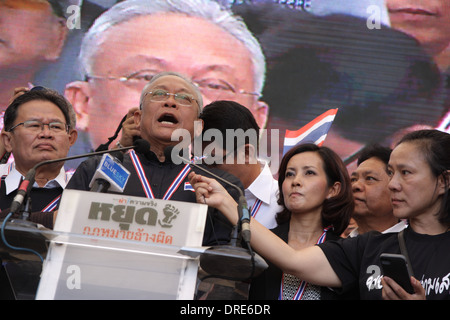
x=159, y=118
x=370, y=189
x=164, y=42
x=427, y=21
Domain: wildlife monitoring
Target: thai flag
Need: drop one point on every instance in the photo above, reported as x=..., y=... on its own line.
x=313, y=132
x=445, y=124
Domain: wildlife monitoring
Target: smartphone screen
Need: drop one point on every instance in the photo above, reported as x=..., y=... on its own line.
x=395, y=267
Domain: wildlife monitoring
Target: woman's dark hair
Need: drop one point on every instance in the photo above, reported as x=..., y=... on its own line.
x=337, y=210
x=435, y=146
x=42, y=94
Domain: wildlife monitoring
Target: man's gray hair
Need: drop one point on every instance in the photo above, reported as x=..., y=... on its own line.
x=207, y=9
x=198, y=94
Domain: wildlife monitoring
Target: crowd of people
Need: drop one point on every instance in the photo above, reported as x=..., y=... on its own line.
x=320, y=224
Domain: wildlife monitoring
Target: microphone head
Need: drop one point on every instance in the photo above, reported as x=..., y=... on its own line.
x=141, y=146
x=117, y=154
x=111, y=171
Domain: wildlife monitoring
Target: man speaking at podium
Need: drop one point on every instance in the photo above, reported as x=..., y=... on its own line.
x=39, y=125
x=170, y=101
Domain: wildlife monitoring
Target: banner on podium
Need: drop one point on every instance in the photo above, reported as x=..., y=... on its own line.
x=122, y=247
x=131, y=218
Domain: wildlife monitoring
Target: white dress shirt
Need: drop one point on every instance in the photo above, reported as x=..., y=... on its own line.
x=395, y=228
x=13, y=178
x=265, y=189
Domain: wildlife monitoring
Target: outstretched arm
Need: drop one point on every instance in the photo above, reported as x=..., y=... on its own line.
x=309, y=264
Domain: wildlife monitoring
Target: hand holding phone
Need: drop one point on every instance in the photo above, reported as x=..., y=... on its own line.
x=396, y=267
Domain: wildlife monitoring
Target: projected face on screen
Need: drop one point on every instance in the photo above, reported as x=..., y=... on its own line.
x=136, y=50
x=427, y=21
x=379, y=79
x=30, y=35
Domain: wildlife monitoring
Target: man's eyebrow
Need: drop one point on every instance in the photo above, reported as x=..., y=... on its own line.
x=218, y=67
x=140, y=62
x=365, y=172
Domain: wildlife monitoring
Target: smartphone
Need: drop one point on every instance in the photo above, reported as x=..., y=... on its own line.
x=397, y=268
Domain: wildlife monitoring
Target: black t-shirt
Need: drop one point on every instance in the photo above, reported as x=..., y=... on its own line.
x=160, y=176
x=267, y=285
x=356, y=261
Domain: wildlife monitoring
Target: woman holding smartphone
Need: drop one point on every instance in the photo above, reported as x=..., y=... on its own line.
x=420, y=170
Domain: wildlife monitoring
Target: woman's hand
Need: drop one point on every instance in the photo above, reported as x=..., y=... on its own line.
x=212, y=193
x=392, y=291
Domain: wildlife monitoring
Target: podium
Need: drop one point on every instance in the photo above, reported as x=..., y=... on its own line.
x=107, y=246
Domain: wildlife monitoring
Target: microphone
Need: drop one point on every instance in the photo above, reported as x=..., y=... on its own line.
x=110, y=175
x=231, y=262
x=244, y=214
x=5, y=157
x=29, y=180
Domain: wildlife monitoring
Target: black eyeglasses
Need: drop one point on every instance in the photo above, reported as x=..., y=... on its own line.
x=36, y=126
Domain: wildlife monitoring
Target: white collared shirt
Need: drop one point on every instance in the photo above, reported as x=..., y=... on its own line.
x=13, y=178
x=395, y=228
x=265, y=189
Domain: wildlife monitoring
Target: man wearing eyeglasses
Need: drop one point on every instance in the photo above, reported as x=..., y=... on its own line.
x=134, y=40
x=38, y=126
x=169, y=102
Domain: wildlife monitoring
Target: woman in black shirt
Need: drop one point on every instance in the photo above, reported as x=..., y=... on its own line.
x=419, y=168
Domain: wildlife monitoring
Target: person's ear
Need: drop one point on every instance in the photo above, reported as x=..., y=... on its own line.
x=261, y=113
x=249, y=154
x=6, y=141
x=444, y=182
x=334, y=190
x=78, y=93
x=198, y=127
x=137, y=118
x=73, y=136
x=59, y=31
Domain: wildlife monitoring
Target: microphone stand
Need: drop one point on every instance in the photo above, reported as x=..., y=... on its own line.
x=27, y=184
x=231, y=255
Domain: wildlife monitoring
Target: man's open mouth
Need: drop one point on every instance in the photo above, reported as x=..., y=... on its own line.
x=168, y=118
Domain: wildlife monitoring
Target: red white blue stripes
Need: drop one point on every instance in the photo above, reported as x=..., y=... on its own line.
x=52, y=205
x=176, y=183
x=313, y=132
x=146, y=185
x=301, y=289
x=140, y=171
x=255, y=207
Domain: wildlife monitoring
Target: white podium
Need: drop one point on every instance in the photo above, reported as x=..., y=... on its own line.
x=107, y=246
